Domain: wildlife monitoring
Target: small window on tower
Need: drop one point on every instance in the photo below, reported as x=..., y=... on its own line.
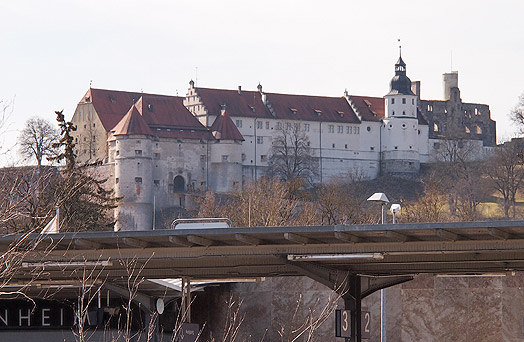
x=138, y=180
x=392, y=101
x=403, y=100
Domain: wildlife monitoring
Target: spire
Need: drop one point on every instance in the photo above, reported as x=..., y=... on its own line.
x=400, y=84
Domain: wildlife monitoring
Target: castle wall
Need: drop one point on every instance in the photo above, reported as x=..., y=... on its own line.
x=90, y=137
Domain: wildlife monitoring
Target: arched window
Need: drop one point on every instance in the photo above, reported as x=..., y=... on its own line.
x=466, y=129
x=478, y=129
x=435, y=127
x=179, y=184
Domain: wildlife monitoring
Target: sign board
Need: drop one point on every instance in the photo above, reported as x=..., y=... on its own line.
x=343, y=324
x=188, y=333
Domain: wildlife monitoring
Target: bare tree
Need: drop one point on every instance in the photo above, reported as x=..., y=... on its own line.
x=291, y=156
x=506, y=173
x=37, y=138
x=460, y=174
x=430, y=207
x=517, y=113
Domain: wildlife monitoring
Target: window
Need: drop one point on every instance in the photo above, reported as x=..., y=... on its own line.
x=393, y=113
x=403, y=112
x=466, y=129
x=156, y=155
x=156, y=181
x=357, y=130
x=288, y=125
x=306, y=127
x=279, y=125
x=369, y=129
x=436, y=146
x=225, y=157
x=138, y=180
x=138, y=152
x=267, y=124
x=346, y=146
x=238, y=123
x=259, y=124
x=430, y=108
x=403, y=100
x=478, y=129
x=412, y=101
x=94, y=125
x=331, y=129
x=260, y=140
x=333, y=145
x=296, y=126
x=349, y=130
x=117, y=152
x=340, y=129
x=117, y=180
x=202, y=157
x=435, y=127
x=94, y=137
x=392, y=101
x=243, y=156
x=372, y=148
x=263, y=158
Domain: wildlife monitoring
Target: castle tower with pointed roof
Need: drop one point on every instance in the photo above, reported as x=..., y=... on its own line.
x=133, y=168
x=400, y=128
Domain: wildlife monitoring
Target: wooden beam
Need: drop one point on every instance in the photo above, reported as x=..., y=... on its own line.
x=347, y=237
x=499, y=234
x=250, y=240
x=179, y=240
x=446, y=234
x=132, y=242
x=198, y=240
x=393, y=235
x=87, y=244
x=296, y=238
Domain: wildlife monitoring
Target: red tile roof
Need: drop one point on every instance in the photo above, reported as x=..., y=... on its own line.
x=250, y=104
x=132, y=123
x=165, y=115
x=312, y=108
x=370, y=108
x=247, y=103
x=167, y=111
x=224, y=128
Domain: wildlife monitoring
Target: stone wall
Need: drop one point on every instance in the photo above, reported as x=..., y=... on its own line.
x=429, y=308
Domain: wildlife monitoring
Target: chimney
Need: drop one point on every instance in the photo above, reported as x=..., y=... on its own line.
x=239, y=90
x=223, y=110
x=259, y=87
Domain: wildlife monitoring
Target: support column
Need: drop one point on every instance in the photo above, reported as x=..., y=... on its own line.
x=353, y=302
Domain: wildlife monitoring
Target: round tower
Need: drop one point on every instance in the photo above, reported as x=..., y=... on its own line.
x=133, y=182
x=132, y=144
x=400, y=152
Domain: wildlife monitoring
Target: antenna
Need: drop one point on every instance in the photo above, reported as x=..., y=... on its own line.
x=196, y=76
x=399, y=47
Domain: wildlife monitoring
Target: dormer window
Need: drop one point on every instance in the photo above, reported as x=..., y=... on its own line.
x=252, y=108
x=150, y=107
x=318, y=111
x=341, y=114
x=293, y=110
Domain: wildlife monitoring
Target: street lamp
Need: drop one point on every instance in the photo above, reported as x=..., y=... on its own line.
x=380, y=197
x=395, y=209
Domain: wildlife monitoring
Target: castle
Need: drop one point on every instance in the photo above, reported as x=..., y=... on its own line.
x=159, y=148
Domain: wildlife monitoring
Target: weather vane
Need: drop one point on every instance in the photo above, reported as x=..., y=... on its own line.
x=399, y=47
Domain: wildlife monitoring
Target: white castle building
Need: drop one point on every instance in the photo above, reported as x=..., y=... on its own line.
x=159, y=148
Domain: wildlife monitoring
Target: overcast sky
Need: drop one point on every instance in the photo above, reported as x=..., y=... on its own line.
x=52, y=50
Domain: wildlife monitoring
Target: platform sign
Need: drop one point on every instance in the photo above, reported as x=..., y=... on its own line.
x=343, y=324
x=188, y=333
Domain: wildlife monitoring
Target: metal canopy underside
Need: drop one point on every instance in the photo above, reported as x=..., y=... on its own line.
x=400, y=250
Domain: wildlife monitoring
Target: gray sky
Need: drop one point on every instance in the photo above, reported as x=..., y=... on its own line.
x=52, y=49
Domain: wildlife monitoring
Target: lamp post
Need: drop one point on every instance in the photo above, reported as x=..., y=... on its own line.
x=382, y=199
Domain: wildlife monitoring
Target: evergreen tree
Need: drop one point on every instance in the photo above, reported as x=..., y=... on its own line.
x=83, y=200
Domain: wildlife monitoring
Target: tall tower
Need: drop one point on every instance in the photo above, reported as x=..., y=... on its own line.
x=400, y=151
